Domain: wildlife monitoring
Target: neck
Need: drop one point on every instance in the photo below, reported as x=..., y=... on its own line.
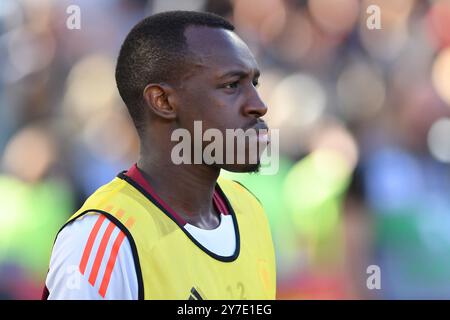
x=187, y=189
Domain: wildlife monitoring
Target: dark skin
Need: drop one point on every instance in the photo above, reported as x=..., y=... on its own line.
x=218, y=89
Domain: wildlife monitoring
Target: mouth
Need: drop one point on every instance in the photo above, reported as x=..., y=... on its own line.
x=263, y=134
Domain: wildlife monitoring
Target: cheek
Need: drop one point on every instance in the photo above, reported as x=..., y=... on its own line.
x=213, y=107
x=221, y=114
x=191, y=108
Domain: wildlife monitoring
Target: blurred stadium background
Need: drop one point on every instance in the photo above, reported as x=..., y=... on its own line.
x=364, y=119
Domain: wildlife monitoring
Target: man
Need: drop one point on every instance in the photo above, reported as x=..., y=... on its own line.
x=174, y=231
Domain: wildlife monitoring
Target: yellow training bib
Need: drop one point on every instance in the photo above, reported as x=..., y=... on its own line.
x=170, y=263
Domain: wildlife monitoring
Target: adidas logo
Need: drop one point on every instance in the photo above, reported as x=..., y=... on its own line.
x=195, y=295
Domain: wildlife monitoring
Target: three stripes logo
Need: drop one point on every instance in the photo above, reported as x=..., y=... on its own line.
x=195, y=295
x=101, y=250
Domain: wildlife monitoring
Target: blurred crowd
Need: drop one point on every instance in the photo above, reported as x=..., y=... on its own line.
x=363, y=114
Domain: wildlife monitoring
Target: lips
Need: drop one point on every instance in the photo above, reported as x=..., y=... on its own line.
x=262, y=132
x=261, y=125
x=263, y=137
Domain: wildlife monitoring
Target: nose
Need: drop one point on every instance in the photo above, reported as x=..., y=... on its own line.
x=255, y=106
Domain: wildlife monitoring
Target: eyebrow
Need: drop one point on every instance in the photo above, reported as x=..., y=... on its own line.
x=240, y=73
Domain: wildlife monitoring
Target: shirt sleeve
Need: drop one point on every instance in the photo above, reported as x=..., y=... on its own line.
x=92, y=260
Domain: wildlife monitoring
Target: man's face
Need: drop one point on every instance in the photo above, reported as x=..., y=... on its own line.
x=220, y=88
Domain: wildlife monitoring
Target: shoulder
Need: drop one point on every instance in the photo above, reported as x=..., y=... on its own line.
x=91, y=259
x=240, y=193
x=243, y=188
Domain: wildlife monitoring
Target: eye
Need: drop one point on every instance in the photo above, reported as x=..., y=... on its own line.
x=232, y=85
x=256, y=83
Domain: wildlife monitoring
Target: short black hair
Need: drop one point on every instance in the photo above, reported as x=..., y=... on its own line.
x=155, y=50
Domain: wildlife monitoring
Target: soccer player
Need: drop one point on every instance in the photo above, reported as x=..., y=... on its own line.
x=173, y=231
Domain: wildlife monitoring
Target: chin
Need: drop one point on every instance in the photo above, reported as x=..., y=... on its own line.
x=242, y=168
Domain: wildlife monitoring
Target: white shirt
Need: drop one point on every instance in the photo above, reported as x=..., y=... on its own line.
x=71, y=254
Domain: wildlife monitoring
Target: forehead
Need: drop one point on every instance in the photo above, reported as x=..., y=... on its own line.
x=218, y=50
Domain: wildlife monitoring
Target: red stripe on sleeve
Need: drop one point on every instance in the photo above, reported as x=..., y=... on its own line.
x=90, y=243
x=111, y=262
x=101, y=253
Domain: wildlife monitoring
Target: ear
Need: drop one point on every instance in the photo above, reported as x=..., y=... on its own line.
x=156, y=97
